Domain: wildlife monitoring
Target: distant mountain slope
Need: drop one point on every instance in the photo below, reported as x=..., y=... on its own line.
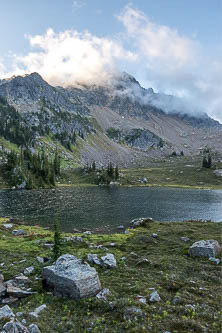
x=121, y=122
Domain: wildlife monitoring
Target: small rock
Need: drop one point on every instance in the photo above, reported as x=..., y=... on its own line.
x=205, y=248
x=15, y=327
x=154, y=297
x=108, y=261
x=28, y=270
x=132, y=312
x=2, y=286
x=112, y=244
x=126, y=232
x=33, y=328
x=140, y=222
x=189, y=307
x=6, y=312
x=40, y=259
x=8, y=225
x=217, y=261
x=73, y=239
x=37, y=311
x=141, y=299
x=19, y=314
x=185, y=239
x=176, y=300
x=19, y=232
x=120, y=227
x=16, y=292
x=103, y=294
x=48, y=245
x=9, y=300
x=92, y=258
x=24, y=322
x=21, y=279
x=87, y=232
x=154, y=235
x=143, y=262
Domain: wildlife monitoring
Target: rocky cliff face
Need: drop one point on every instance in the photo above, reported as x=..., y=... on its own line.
x=121, y=122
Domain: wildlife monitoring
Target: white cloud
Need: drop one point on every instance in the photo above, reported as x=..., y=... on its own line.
x=174, y=63
x=157, y=54
x=162, y=46
x=69, y=57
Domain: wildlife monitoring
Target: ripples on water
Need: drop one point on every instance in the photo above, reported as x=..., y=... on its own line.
x=93, y=207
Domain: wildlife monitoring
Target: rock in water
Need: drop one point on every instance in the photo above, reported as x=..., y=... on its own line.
x=204, y=248
x=71, y=278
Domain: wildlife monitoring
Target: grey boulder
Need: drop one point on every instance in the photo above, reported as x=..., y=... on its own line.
x=37, y=311
x=2, y=286
x=154, y=297
x=140, y=222
x=19, y=232
x=6, y=313
x=108, y=261
x=33, y=328
x=15, y=327
x=92, y=258
x=69, y=277
x=204, y=248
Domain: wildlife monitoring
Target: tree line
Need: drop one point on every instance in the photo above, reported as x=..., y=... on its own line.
x=28, y=169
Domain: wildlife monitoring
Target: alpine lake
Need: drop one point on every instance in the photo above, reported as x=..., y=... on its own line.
x=105, y=208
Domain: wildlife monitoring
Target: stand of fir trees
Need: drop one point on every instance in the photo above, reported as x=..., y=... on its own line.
x=102, y=175
x=207, y=162
x=31, y=170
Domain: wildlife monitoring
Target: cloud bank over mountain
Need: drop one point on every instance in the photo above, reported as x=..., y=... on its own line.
x=156, y=54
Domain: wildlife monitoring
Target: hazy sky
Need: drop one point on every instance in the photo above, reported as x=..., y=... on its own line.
x=175, y=46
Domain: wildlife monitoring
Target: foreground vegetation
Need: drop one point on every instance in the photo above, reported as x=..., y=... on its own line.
x=168, y=269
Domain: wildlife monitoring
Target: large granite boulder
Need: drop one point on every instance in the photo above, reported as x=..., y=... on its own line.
x=69, y=277
x=204, y=248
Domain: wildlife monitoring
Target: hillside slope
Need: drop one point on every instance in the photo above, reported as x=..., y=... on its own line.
x=121, y=122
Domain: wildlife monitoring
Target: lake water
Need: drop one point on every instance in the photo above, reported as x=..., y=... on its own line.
x=94, y=207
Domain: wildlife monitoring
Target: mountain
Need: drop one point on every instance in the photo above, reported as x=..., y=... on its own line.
x=121, y=122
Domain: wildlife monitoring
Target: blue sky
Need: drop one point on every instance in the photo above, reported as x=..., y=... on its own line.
x=174, y=46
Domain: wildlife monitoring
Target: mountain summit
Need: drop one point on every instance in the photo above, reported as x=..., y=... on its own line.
x=122, y=121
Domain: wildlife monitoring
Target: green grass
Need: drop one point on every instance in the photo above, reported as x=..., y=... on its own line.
x=176, y=172
x=170, y=270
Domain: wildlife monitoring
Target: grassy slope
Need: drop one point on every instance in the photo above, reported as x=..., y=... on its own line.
x=169, y=171
x=178, y=172
x=170, y=271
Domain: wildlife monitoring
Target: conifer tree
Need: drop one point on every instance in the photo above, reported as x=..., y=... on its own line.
x=57, y=241
x=116, y=172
